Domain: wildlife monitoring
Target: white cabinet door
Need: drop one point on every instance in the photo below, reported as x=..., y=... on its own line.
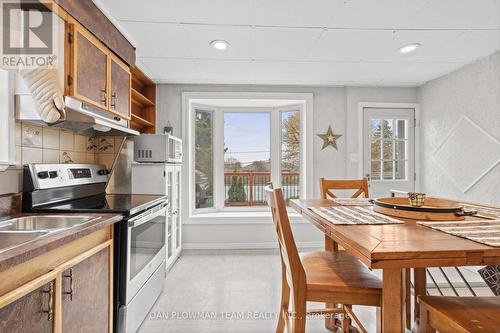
x=173, y=181
x=169, y=179
x=177, y=212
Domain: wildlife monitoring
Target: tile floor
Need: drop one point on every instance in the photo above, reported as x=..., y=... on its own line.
x=220, y=292
x=231, y=285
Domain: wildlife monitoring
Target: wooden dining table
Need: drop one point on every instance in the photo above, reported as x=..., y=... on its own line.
x=397, y=249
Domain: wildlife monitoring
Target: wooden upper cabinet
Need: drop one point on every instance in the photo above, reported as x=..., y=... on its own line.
x=120, y=87
x=89, y=78
x=86, y=291
x=95, y=75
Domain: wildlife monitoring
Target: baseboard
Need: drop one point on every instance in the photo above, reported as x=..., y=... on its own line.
x=245, y=246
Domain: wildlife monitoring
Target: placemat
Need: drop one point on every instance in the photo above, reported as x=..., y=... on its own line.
x=348, y=215
x=485, y=211
x=484, y=232
x=352, y=201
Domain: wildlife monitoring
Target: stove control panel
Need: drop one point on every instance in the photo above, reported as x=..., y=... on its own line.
x=45, y=176
x=80, y=173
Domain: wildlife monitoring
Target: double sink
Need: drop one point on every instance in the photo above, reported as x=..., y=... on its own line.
x=17, y=231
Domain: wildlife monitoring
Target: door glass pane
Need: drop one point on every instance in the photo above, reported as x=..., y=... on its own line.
x=375, y=170
x=388, y=128
x=375, y=128
x=400, y=171
x=400, y=129
x=388, y=170
x=247, y=157
x=204, y=159
x=290, y=154
x=376, y=150
x=146, y=241
x=388, y=149
x=400, y=150
x=389, y=155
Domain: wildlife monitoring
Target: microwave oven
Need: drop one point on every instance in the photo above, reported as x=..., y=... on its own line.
x=157, y=148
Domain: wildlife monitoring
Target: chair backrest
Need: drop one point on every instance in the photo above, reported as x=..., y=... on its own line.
x=288, y=250
x=326, y=185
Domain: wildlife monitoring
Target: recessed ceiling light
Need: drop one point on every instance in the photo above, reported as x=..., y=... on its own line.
x=409, y=48
x=219, y=44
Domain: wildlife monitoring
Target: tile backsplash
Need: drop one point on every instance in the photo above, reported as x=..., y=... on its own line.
x=42, y=144
x=37, y=144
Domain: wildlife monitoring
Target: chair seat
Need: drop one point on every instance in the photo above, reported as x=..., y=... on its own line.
x=339, y=272
x=472, y=314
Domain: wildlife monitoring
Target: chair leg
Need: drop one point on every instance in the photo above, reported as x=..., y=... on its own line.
x=424, y=326
x=345, y=324
x=285, y=302
x=379, y=319
x=408, y=298
x=299, y=313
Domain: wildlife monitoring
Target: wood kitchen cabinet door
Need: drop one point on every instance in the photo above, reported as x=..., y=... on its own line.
x=30, y=313
x=89, y=68
x=120, y=87
x=86, y=291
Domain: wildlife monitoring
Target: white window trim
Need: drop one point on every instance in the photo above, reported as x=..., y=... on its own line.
x=7, y=125
x=190, y=104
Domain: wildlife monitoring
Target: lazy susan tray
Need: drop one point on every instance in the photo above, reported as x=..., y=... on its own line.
x=433, y=209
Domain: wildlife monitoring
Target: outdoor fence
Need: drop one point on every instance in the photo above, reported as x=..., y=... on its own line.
x=247, y=188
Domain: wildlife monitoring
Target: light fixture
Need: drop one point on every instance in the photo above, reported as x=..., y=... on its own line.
x=219, y=44
x=409, y=48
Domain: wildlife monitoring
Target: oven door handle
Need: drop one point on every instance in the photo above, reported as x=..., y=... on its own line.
x=148, y=217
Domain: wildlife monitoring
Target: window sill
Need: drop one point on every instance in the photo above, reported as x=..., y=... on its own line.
x=260, y=217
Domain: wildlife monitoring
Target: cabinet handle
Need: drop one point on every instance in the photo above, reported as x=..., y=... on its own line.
x=71, y=284
x=50, y=311
x=104, y=96
x=113, y=100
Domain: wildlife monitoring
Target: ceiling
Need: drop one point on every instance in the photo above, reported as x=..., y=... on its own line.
x=306, y=42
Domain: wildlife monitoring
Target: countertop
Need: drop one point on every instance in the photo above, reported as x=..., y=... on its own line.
x=24, y=252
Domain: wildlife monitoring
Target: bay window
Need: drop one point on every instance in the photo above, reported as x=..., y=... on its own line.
x=237, y=151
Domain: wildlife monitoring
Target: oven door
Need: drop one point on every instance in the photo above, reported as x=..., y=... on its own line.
x=145, y=247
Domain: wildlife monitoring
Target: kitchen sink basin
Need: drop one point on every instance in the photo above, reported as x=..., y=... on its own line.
x=11, y=238
x=21, y=230
x=43, y=223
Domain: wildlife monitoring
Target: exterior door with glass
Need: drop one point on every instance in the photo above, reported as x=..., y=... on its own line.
x=389, y=150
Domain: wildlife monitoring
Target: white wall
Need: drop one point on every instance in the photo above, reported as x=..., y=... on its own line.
x=336, y=106
x=474, y=92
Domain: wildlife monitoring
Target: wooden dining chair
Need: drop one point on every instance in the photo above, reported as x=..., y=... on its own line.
x=448, y=314
x=360, y=185
x=326, y=277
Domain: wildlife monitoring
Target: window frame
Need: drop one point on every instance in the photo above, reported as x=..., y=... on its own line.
x=191, y=106
x=7, y=122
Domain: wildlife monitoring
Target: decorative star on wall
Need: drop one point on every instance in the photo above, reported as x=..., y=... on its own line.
x=329, y=139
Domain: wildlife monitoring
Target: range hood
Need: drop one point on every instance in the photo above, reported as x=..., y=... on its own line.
x=78, y=116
